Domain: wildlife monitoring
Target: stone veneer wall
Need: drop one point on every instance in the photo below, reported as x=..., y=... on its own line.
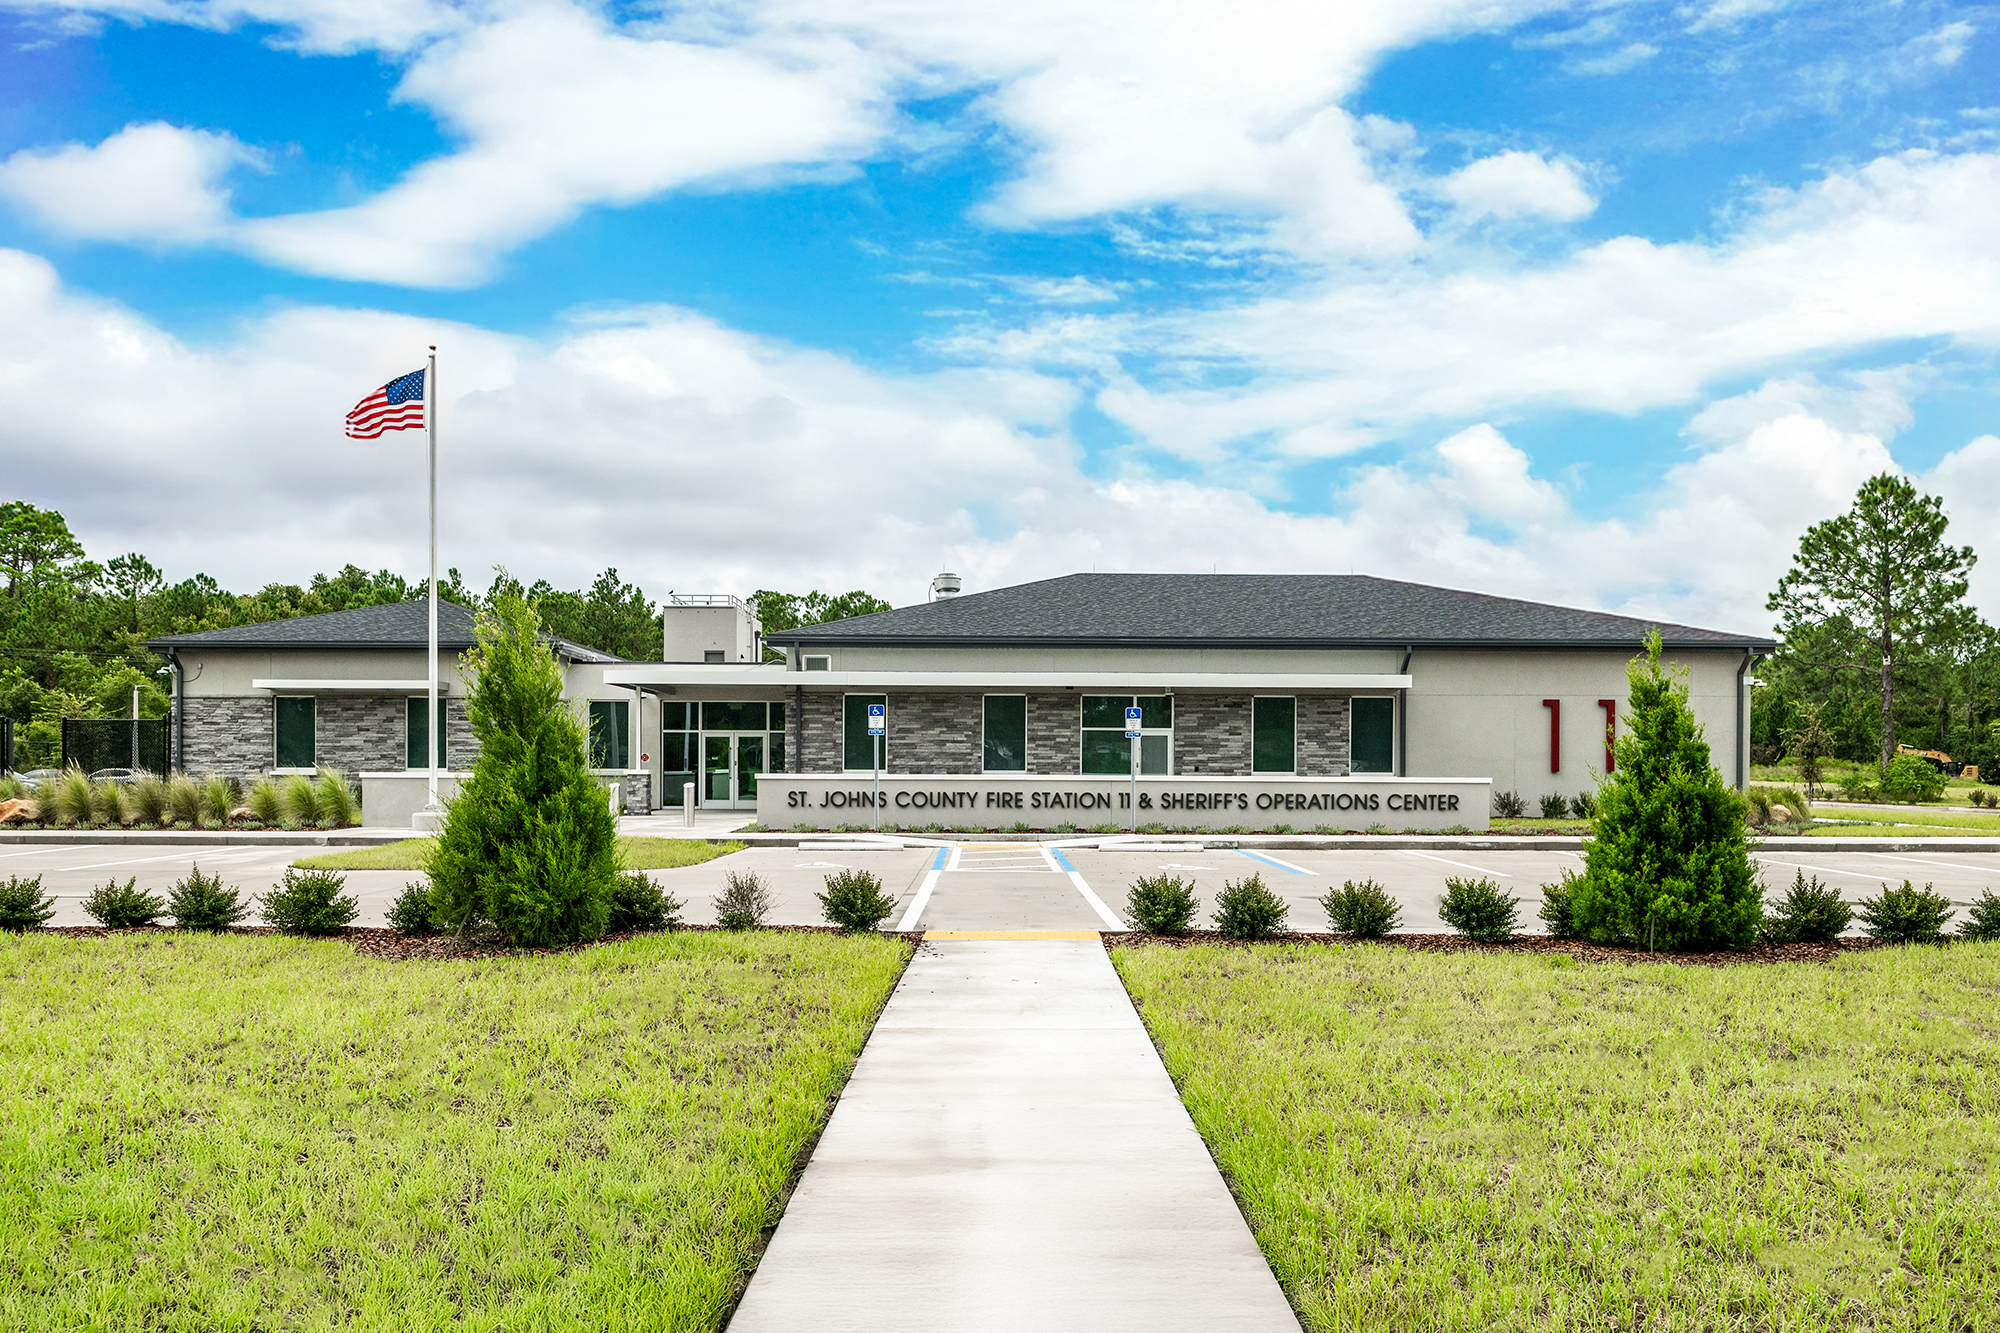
x=1212, y=734
x=227, y=734
x=821, y=743
x=1055, y=739
x=1323, y=739
x=936, y=733
x=232, y=734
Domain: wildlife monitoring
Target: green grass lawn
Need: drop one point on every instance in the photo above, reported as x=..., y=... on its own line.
x=244, y=1132
x=1515, y=1141
x=1914, y=820
x=415, y=854
x=1575, y=828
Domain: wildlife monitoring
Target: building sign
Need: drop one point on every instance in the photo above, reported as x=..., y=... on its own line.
x=1304, y=805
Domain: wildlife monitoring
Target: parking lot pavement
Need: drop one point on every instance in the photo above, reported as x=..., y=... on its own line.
x=70, y=872
x=1958, y=875
x=795, y=877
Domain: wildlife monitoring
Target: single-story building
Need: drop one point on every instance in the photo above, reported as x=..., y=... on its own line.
x=1302, y=701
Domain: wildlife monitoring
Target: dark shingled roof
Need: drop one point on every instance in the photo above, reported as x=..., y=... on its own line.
x=1248, y=610
x=395, y=625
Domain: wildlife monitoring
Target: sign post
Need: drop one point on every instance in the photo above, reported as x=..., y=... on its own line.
x=1132, y=734
x=878, y=724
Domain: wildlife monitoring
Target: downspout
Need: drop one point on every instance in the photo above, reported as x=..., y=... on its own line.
x=1750, y=659
x=1402, y=763
x=177, y=756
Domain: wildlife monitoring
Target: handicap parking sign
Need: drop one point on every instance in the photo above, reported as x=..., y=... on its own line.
x=877, y=723
x=1131, y=724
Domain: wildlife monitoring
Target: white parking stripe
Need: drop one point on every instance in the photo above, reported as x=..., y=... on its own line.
x=1497, y=874
x=63, y=847
x=939, y=864
x=1919, y=861
x=1818, y=870
x=225, y=858
x=1057, y=861
x=1282, y=865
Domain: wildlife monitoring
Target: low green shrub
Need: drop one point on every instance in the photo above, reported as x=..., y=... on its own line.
x=118, y=906
x=410, y=914
x=743, y=902
x=1811, y=913
x=1364, y=910
x=1982, y=919
x=638, y=904
x=1555, y=806
x=1246, y=910
x=199, y=902
x=1508, y=805
x=1162, y=904
x=1479, y=910
x=1910, y=778
x=22, y=904
x=1859, y=786
x=1583, y=805
x=1906, y=915
x=308, y=902
x=854, y=900
x=1797, y=809
x=1555, y=908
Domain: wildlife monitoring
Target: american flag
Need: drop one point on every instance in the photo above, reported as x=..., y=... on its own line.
x=397, y=405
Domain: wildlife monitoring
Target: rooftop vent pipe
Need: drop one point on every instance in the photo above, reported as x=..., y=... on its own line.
x=943, y=586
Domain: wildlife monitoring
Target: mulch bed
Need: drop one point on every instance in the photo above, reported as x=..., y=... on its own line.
x=380, y=942
x=1542, y=944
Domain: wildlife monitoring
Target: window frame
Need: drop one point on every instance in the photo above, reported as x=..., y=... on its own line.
x=277, y=740
x=619, y=729
x=986, y=767
x=689, y=733
x=806, y=661
x=1293, y=771
x=1395, y=759
x=1145, y=734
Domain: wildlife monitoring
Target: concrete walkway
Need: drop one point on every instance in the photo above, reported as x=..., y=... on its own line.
x=1010, y=1155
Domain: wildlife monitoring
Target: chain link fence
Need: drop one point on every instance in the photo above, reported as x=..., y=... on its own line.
x=92, y=743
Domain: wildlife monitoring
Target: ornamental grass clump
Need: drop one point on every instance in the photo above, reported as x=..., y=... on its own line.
x=529, y=842
x=199, y=902
x=1479, y=910
x=1811, y=913
x=183, y=801
x=105, y=806
x=67, y=799
x=1247, y=910
x=337, y=800
x=145, y=799
x=218, y=796
x=1162, y=904
x=124, y=906
x=308, y=902
x=744, y=901
x=1982, y=919
x=23, y=906
x=638, y=904
x=854, y=900
x=265, y=803
x=1906, y=915
x=299, y=796
x=1669, y=866
x=1364, y=910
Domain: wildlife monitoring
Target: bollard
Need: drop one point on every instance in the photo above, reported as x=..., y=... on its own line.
x=687, y=804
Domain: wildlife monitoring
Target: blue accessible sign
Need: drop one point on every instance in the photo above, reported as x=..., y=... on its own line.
x=1131, y=724
x=877, y=722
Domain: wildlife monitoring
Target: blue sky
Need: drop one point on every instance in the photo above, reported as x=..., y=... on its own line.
x=1597, y=303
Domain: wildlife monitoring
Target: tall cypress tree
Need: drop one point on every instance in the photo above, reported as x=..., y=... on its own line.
x=1669, y=866
x=529, y=842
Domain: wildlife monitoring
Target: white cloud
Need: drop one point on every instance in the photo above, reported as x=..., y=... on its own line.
x=318, y=26
x=152, y=182
x=1207, y=107
x=1629, y=56
x=1515, y=184
x=1899, y=248
x=696, y=457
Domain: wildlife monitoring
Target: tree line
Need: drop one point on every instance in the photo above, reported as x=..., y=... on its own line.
x=1879, y=647
x=73, y=630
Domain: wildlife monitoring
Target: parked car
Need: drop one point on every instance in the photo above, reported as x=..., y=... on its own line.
x=119, y=776
x=35, y=777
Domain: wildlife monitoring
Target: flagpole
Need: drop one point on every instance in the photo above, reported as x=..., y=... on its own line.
x=432, y=716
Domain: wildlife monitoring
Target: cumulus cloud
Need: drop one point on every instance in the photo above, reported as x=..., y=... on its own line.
x=1515, y=184
x=153, y=182
x=697, y=457
x=1898, y=248
x=317, y=26
x=1209, y=107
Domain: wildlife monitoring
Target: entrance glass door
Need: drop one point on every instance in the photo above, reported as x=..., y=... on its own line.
x=729, y=768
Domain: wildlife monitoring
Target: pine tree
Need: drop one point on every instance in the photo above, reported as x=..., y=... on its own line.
x=529, y=842
x=1669, y=867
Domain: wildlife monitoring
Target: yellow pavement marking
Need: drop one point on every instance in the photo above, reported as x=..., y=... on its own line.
x=1010, y=934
